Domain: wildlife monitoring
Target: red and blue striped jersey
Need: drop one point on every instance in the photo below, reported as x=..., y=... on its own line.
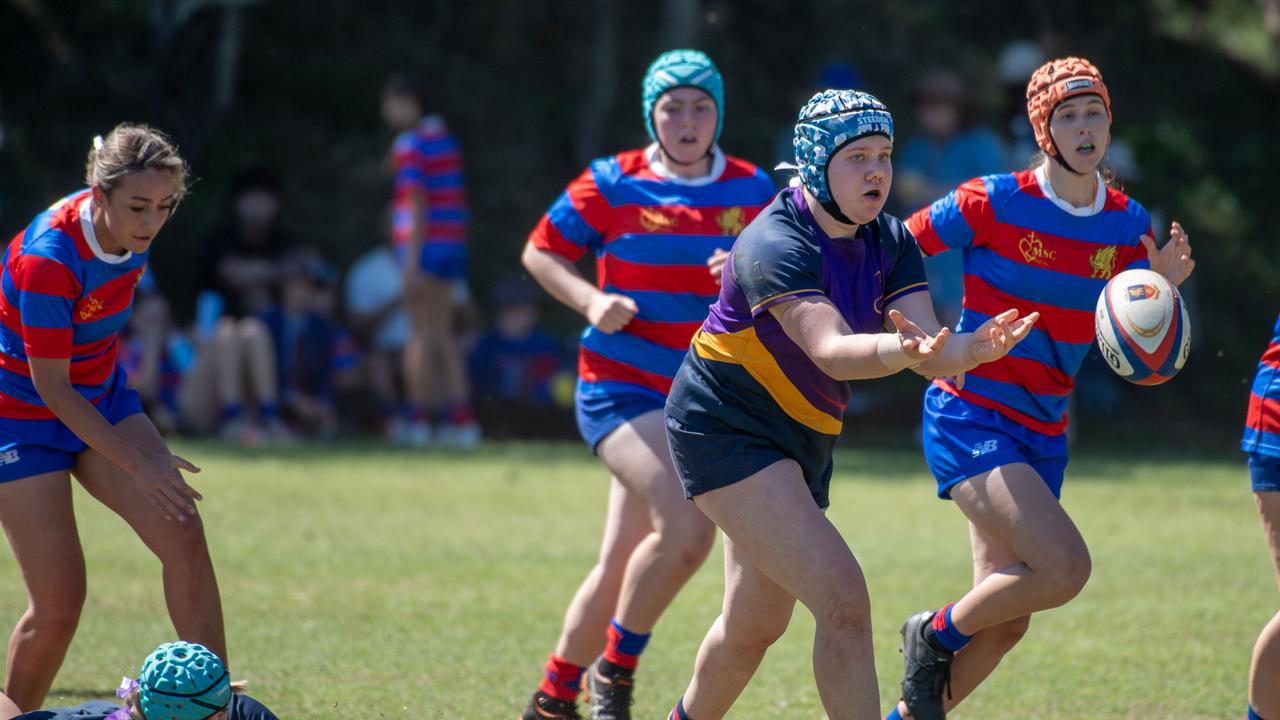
x=62, y=297
x=427, y=161
x=1262, y=424
x=1025, y=248
x=651, y=234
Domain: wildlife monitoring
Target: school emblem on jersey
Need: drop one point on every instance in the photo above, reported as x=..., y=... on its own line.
x=92, y=306
x=1034, y=251
x=732, y=221
x=1103, y=262
x=653, y=220
x=1143, y=292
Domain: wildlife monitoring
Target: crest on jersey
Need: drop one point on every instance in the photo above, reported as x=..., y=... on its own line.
x=1034, y=251
x=653, y=220
x=732, y=221
x=92, y=306
x=1103, y=262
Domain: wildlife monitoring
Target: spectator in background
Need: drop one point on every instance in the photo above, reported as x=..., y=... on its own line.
x=949, y=149
x=242, y=264
x=429, y=234
x=155, y=355
x=377, y=318
x=522, y=382
x=310, y=346
x=1018, y=59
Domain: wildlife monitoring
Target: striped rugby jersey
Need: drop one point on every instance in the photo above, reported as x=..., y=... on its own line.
x=1262, y=424
x=428, y=160
x=651, y=233
x=1026, y=248
x=63, y=297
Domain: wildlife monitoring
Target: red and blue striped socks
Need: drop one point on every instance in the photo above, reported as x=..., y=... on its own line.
x=563, y=679
x=623, y=647
x=944, y=632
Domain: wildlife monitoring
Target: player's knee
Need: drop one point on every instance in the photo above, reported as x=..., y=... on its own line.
x=184, y=545
x=252, y=330
x=58, y=613
x=845, y=608
x=691, y=542
x=1069, y=574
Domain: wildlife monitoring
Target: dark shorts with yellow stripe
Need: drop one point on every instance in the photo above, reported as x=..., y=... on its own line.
x=710, y=452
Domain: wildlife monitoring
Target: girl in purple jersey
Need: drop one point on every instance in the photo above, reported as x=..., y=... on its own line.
x=65, y=409
x=820, y=289
x=1047, y=240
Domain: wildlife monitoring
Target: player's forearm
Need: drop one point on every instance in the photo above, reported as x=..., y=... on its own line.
x=862, y=356
x=559, y=277
x=83, y=419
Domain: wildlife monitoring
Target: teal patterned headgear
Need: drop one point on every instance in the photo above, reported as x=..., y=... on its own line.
x=829, y=121
x=682, y=68
x=183, y=681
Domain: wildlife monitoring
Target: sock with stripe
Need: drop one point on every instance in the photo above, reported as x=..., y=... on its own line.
x=1252, y=714
x=563, y=679
x=893, y=714
x=678, y=713
x=942, y=633
x=623, y=647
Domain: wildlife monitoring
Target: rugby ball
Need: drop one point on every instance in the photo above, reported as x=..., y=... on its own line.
x=1143, y=329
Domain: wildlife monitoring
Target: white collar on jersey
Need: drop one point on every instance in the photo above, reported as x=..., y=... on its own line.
x=91, y=237
x=655, y=163
x=1042, y=179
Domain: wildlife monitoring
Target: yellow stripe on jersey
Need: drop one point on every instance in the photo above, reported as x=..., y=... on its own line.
x=797, y=293
x=745, y=349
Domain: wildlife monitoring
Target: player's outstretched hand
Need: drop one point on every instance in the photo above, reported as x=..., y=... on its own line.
x=715, y=264
x=1173, y=261
x=916, y=343
x=609, y=313
x=997, y=336
x=160, y=479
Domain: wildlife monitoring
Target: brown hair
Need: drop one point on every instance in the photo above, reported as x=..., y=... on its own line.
x=130, y=148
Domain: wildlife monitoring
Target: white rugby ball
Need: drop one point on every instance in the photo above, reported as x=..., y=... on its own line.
x=1143, y=328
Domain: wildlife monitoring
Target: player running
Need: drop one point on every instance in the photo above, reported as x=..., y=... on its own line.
x=68, y=283
x=1043, y=240
x=658, y=221
x=1262, y=442
x=754, y=413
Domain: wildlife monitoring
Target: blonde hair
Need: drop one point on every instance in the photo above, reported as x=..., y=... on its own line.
x=238, y=687
x=131, y=148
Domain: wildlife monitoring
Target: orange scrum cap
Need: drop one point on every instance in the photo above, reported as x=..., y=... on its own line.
x=1054, y=82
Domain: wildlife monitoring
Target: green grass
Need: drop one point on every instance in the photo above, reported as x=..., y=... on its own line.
x=370, y=583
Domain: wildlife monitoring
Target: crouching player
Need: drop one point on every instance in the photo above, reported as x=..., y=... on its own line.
x=754, y=412
x=1262, y=442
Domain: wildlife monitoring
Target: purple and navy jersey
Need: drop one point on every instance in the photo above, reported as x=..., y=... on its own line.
x=1026, y=249
x=1262, y=424
x=63, y=297
x=427, y=161
x=743, y=370
x=651, y=235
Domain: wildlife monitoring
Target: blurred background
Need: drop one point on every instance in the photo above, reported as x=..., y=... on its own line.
x=276, y=105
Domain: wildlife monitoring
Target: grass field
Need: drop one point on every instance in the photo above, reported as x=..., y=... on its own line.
x=363, y=582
